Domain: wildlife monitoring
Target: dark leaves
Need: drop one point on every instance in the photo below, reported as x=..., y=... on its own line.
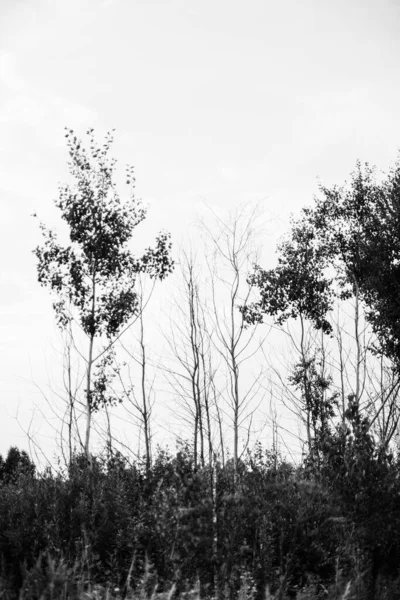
x=297, y=286
x=96, y=273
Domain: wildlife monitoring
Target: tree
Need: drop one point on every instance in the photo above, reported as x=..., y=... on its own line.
x=16, y=462
x=297, y=288
x=379, y=261
x=141, y=397
x=95, y=274
x=192, y=372
x=344, y=248
x=232, y=251
x=357, y=227
x=340, y=219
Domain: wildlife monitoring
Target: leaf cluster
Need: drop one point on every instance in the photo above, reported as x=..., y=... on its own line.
x=96, y=273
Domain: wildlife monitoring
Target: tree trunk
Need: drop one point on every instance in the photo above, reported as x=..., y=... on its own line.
x=89, y=371
x=88, y=402
x=357, y=336
x=145, y=405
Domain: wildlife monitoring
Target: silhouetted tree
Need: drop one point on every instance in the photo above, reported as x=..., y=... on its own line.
x=16, y=462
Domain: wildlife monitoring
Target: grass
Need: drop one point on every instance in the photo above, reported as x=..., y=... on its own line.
x=52, y=579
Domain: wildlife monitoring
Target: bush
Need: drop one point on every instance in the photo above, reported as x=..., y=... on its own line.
x=279, y=528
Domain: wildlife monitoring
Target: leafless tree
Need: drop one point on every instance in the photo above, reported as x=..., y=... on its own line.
x=136, y=380
x=231, y=253
x=191, y=369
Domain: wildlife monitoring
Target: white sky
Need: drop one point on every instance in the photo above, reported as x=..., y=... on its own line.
x=222, y=101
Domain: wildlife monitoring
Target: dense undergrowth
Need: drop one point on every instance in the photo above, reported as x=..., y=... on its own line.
x=273, y=531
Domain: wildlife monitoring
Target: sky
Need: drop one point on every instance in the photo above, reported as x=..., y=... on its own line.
x=214, y=102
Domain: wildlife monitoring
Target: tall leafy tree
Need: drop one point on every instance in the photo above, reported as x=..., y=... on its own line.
x=352, y=234
x=357, y=227
x=298, y=286
x=329, y=238
x=341, y=219
x=380, y=264
x=95, y=273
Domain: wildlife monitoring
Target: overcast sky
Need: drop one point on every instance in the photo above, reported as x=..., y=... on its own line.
x=219, y=101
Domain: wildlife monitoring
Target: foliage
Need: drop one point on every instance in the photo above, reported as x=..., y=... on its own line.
x=380, y=263
x=279, y=527
x=16, y=463
x=297, y=287
x=253, y=526
x=96, y=273
x=354, y=230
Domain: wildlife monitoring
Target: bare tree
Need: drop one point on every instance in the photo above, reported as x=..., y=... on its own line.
x=136, y=376
x=231, y=255
x=191, y=370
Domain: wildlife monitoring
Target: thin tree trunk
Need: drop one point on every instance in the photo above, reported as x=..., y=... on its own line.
x=305, y=386
x=235, y=369
x=89, y=372
x=195, y=443
x=109, y=435
x=235, y=419
x=200, y=411
x=342, y=389
x=71, y=403
x=195, y=374
x=357, y=335
x=145, y=406
x=221, y=433
x=88, y=401
x=214, y=474
x=207, y=407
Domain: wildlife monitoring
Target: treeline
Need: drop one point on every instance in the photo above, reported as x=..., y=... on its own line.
x=118, y=530
x=233, y=522
x=332, y=297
